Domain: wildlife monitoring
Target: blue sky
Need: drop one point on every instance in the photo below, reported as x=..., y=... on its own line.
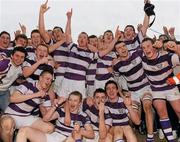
x=91, y=16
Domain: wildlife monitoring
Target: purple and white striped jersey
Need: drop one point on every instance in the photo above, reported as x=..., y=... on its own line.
x=78, y=62
x=93, y=113
x=132, y=71
x=35, y=76
x=27, y=107
x=60, y=56
x=118, y=112
x=80, y=118
x=159, y=69
x=103, y=63
x=8, y=73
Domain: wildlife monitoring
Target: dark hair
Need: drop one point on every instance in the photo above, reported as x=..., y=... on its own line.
x=56, y=27
x=110, y=82
x=164, y=35
x=34, y=31
x=131, y=26
x=99, y=90
x=21, y=36
x=92, y=36
x=47, y=69
x=118, y=42
x=76, y=93
x=20, y=49
x=148, y=39
x=4, y=32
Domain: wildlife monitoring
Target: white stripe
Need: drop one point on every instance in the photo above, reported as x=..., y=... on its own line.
x=176, y=80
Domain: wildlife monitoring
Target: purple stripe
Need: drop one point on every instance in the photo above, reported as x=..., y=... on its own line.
x=134, y=70
x=62, y=63
x=139, y=79
x=73, y=76
x=90, y=82
x=31, y=103
x=120, y=124
x=60, y=53
x=139, y=87
x=106, y=58
x=101, y=77
x=160, y=72
x=91, y=72
x=115, y=105
x=59, y=74
x=168, y=87
x=77, y=66
x=4, y=64
x=118, y=116
x=77, y=56
x=159, y=82
x=16, y=108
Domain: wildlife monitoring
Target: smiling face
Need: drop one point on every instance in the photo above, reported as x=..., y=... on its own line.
x=129, y=33
x=112, y=91
x=108, y=37
x=41, y=52
x=57, y=34
x=148, y=49
x=74, y=102
x=4, y=40
x=122, y=50
x=18, y=58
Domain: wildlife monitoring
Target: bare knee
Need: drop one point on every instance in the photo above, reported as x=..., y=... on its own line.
x=48, y=128
x=147, y=106
x=7, y=124
x=23, y=131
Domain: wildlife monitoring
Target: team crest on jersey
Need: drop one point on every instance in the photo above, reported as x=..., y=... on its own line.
x=133, y=62
x=159, y=66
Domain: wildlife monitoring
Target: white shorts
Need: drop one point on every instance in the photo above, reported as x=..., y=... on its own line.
x=96, y=138
x=170, y=95
x=101, y=84
x=142, y=94
x=55, y=137
x=90, y=90
x=58, y=84
x=69, y=86
x=22, y=121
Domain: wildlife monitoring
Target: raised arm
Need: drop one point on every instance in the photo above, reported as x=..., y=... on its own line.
x=111, y=45
x=42, y=29
x=145, y=22
x=68, y=26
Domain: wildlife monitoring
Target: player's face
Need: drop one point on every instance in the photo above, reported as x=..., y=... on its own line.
x=45, y=81
x=18, y=58
x=112, y=91
x=4, y=40
x=57, y=34
x=108, y=37
x=148, y=49
x=99, y=97
x=83, y=40
x=122, y=49
x=36, y=39
x=93, y=41
x=74, y=103
x=22, y=42
x=41, y=51
x=129, y=33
